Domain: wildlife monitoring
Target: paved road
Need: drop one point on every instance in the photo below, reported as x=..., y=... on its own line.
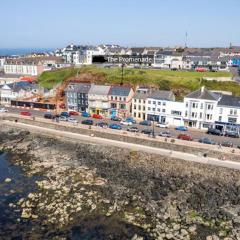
x=196, y=134
x=135, y=147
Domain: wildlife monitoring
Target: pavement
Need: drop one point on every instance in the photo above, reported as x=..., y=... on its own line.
x=134, y=147
x=195, y=133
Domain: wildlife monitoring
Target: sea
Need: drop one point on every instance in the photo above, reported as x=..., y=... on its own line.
x=23, y=51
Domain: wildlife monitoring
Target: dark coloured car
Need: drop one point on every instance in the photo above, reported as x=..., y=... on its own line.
x=214, y=131
x=116, y=119
x=232, y=134
x=206, y=141
x=130, y=119
x=49, y=116
x=115, y=126
x=147, y=131
x=185, y=137
x=86, y=114
x=133, y=129
x=87, y=122
x=64, y=114
x=227, y=144
x=181, y=128
x=102, y=124
x=145, y=123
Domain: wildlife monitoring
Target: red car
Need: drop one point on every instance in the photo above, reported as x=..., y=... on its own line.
x=97, y=116
x=185, y=137
x=73, y=113
x=25, y=113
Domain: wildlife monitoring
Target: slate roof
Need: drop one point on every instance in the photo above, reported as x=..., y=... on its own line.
x=79, y=87
x=99, y=90
x=140, y=94
x=162, y=95
x=228, y=100
x=203, y=93
x=120, y=91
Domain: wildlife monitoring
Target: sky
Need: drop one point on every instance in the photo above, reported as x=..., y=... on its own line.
x=56, y=23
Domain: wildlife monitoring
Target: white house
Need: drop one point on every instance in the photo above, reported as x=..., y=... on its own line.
x=98, y=99
x=228, y=109
x=161, y=107
x=200, y=108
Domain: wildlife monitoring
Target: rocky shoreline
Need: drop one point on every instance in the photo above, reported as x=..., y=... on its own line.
x=99, y=192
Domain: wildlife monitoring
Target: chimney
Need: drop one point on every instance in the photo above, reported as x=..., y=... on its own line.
x=202, y=89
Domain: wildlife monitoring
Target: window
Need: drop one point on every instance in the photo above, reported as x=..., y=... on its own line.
x=134, y=114
x=135, y=106
x=220, y=111
x=139, y=115
x=154, y=102
x=124, y=99
x=149, y=109
x=149, y=102
x=195, y=105
x=201, y=106
x=144, y=108
x=159, y=103
x=135, y=100
x=232, y=120
x=164, y=103
x=159, y=110
x=154, y=109
x=231, y=111
x=220, y=118
x=178, y=113
x=120, y=99
x=164, y=110
x=186, y=104
x=201, y=115
x=113, y=105
x=194, y=114
x=209, y=116
x=122, y=106
x=139, y=100
x=111, y=97
x=210, y=107
x=235, y=111
x=116, y=98
x=139, y=108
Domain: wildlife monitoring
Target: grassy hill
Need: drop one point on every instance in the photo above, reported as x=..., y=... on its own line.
x=179, y=82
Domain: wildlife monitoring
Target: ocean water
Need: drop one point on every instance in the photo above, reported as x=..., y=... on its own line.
x=22, y=51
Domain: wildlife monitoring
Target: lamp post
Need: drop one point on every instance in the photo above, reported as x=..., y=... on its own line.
x=154, y=118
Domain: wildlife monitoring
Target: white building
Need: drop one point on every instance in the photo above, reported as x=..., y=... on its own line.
x=2, y=61
x=200, y=108
x=98, y=100
x=228, y=109
x=161, y=107
x=139, y=103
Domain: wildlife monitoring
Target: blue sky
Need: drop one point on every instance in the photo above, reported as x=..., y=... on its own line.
x=55, y=23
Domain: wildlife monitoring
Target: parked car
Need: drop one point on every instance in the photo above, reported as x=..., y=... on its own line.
x=181, y=128
x=227, y=144
x=126, y=123
x=86, y=114
x=72, y=120
x=165, y=134
x=102, y=124
x=145, y=123
x=25, y=114
x=97, y=116
x=63, y=118
x=130, y=119
x=73, y=113
x=49, y=116
x=162, y=125
x=232, y=134
x=206, y=141
x=147, y=131
x=133, y=129
x=3, y=110
x=214, y=131
x=64, y=114
x=116, y=119
x=62, y=106
x=115, y=126
x=185, y=137
x=87, y=122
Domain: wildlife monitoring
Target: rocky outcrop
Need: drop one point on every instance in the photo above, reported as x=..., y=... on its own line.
x=91, y=188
